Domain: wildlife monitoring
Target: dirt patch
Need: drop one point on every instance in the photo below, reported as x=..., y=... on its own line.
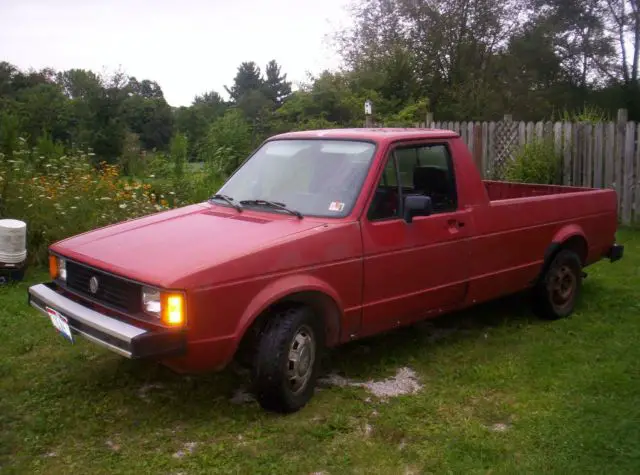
x=405, y=381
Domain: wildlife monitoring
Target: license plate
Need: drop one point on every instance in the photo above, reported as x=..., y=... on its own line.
x=61, y=323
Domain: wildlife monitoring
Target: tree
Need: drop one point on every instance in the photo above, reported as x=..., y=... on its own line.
x=248, y=78
x=623, y=25
x=147, y=89
x=276, y=86
x=78, y=83
x=43, y=110
x=151, y=118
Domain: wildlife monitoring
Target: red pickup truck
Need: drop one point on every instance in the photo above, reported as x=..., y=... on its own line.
x=320, y=238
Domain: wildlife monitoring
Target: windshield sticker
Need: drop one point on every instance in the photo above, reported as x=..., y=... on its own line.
x=336, y=206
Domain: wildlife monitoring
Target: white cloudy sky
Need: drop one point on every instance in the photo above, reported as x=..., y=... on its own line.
x=187, y=46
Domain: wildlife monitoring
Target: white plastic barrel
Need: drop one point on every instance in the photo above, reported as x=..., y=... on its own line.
x=13, y=241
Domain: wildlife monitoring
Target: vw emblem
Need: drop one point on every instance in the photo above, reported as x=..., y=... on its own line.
x=93, y=285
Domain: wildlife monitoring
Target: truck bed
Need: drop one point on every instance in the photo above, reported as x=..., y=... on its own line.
x=503, y=190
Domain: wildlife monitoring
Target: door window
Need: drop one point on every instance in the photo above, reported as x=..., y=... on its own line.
x=415, y=170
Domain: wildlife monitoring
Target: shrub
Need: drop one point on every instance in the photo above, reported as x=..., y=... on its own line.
x=536, y=162
x=59, y=196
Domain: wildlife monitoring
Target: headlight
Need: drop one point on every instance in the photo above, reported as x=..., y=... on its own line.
x=57, y=268
x=151, y=301
x=168, y=307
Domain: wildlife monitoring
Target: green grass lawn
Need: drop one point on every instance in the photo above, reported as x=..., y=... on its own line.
x=566, y=395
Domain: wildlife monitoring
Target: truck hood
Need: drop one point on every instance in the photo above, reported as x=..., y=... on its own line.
x=162, y=248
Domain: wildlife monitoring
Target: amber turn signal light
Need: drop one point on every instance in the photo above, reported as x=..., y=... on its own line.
x=173, y=310
x=53, y=267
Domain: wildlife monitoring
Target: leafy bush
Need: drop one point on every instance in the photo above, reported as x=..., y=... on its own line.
x=536, y=162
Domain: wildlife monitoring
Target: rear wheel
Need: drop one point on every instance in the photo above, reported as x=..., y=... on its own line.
x=285, y=367
x=556, y=294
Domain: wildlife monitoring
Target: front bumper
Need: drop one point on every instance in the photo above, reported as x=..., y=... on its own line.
x=120, y=337
x=615, y=253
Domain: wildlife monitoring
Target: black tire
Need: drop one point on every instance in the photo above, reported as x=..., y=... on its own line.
x=556, y=293
x=279, y=382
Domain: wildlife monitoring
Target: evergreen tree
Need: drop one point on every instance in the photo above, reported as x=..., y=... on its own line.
x=276, y=86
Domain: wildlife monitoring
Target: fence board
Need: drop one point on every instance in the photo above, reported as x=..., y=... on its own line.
x=627, y=177
x=575, y=154
x=539, y=129
x=637, y=178
x=598, y=171
x=619, y=161
x=485, y=157
x=522, y=134
x=566, y=159
x=529, y=132
x=557, y=140
x=588, y=155
x=609, y=154
x=491, y=146
x=472, y=139
x=547, y=131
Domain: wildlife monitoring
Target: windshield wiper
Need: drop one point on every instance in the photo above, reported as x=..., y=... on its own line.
x=273, y=204
x=229, y=200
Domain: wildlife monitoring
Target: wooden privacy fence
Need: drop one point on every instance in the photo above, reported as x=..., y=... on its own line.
x=599, y=155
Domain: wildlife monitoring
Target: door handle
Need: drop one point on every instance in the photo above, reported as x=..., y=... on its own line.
x=454, y=223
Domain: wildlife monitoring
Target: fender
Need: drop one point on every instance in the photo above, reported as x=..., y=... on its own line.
x=567, y=232
x=563, y=235
x=280, y=289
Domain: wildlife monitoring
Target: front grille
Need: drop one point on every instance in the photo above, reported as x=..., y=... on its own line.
x=112, y=291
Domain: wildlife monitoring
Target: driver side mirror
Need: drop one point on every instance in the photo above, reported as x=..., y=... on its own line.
x=417, y=205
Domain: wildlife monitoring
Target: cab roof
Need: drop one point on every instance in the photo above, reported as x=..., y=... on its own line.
x=378, y=135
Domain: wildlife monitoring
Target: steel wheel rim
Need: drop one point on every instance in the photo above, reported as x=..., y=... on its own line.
x=562, y=286
x=301, y=359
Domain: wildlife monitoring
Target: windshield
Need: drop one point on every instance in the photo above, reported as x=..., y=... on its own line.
x=315, y=177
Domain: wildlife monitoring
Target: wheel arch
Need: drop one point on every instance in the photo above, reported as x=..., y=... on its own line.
x=294, y=290
x=570, y=237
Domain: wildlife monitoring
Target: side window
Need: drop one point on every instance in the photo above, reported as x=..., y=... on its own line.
x=425, y=170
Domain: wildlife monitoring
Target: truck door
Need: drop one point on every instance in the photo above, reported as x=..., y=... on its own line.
x=413, y=270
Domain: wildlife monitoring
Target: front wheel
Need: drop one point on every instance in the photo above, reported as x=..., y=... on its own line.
x=286, y=363
x=556, y=294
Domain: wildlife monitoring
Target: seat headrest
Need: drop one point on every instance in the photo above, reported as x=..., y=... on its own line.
x=430, y=180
